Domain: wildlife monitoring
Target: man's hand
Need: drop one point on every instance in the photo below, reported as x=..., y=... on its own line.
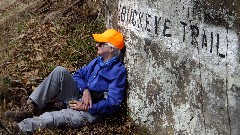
x=76, y=105
x=86, y=101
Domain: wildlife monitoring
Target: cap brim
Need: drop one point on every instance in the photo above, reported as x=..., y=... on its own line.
x=99, y=38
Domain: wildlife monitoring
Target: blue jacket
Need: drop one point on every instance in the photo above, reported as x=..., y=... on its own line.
x=109, y=77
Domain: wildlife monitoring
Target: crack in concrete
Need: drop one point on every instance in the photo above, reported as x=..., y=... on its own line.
x=228, y=111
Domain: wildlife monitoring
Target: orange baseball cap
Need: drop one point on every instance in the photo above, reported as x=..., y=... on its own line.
x=111, y=36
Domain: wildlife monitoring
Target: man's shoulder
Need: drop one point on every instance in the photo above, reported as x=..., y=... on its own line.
x=120, y=65
x=120, y=68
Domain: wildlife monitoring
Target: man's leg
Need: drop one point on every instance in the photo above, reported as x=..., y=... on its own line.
x=63, y=118
x=59, y=82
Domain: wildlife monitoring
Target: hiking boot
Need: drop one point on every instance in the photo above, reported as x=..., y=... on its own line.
x=27, y=111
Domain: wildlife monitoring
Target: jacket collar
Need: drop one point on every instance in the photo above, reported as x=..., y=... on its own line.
x=102, y=64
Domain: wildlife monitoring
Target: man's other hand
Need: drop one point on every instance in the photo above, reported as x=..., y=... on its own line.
x=86, y=101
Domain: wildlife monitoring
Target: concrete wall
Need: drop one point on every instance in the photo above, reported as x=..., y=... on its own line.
x=183, y=67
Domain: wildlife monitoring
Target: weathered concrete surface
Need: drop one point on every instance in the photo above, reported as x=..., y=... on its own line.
x=183, y=67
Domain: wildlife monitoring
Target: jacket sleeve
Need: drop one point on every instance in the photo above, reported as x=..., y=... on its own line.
x=79, y=78
x=115, y=95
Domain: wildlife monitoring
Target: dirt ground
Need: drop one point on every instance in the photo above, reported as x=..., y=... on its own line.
x=38, y=35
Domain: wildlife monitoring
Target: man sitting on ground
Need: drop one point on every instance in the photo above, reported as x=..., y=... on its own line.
x=101, y=84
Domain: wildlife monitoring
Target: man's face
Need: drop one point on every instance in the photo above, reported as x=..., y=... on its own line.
x=103, y=48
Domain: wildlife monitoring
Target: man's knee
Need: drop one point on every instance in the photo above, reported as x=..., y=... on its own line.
x=60, y=69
